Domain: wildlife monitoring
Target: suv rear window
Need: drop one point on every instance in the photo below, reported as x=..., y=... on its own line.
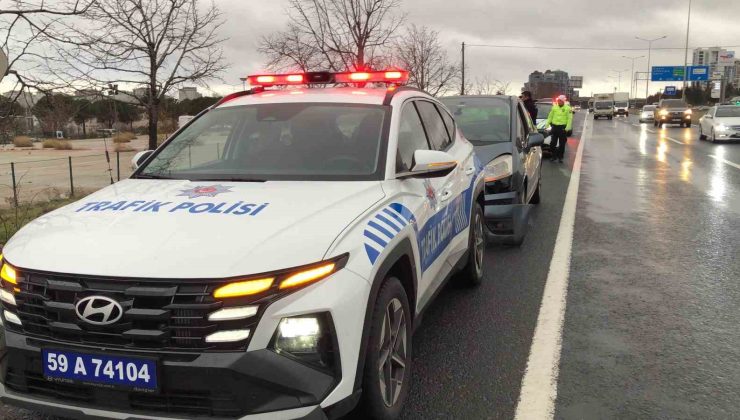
x=481, y=120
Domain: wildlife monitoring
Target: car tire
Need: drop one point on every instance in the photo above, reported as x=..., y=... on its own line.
x=472, y=274
x=388, y=356
x=701, y=134
x=713, y=138
x=687, y=125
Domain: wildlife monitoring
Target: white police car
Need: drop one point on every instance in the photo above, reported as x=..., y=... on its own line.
x=270, y=260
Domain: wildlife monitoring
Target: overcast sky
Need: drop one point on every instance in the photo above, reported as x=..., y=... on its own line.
x=582, y=23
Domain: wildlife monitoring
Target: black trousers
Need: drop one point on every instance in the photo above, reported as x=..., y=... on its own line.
x=558, y=138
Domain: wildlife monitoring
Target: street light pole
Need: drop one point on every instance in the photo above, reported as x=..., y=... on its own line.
x=650, y=46
x=686, y=54
x=619, y=77
x=633, y=87
x=462, y=84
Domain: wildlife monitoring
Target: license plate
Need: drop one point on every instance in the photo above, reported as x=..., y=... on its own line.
x=133, y=373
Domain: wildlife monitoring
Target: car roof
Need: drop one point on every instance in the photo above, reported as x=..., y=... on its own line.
x=367, y=96
x=478, y=97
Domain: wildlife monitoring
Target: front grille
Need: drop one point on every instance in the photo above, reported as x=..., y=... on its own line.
x=735, y=127
x=157, y=314
x=172, y=401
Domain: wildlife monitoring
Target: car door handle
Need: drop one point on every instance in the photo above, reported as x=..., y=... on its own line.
x=469, y=171
x=445, y=195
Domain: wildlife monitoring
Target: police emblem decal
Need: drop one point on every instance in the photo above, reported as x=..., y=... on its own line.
x=204, y=191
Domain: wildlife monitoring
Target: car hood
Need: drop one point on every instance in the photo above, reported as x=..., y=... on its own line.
x=727, y=120
x=489, y=152
x=192, y=229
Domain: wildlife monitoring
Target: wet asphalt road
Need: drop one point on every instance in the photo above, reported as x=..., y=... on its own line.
x=651, y=322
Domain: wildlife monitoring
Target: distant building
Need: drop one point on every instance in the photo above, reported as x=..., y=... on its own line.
x=141, y=92
x=551, y=83
x=24, y=99
x=188, y=93
x=736, y=82
x=712, y=57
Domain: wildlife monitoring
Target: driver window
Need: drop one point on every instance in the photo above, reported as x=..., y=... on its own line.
x=411, y=137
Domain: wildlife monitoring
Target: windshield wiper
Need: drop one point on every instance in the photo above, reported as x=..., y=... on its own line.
x=151, y=176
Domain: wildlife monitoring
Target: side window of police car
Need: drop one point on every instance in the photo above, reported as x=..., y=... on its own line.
x=439, y=138
x=411, y=137
x=449, y=122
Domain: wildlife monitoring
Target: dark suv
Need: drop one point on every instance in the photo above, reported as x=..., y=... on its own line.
x=672, y=111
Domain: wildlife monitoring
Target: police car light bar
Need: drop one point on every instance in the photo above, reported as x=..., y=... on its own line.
x=382, y=76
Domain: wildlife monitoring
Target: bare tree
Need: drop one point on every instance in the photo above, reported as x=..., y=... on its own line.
x=335, y=35
x=420, y=52
x=487, y=85
x=155, y=44
x=25, y=26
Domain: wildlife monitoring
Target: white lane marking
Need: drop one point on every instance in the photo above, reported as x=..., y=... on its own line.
x=725, y=161
x=540, y=383
x=636, y=125
x=674, y=140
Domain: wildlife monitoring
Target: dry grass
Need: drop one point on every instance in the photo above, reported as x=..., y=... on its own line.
x=22, y=141
x=122, y=148
x=124, y=137
x=161, y=137
x=57, y=144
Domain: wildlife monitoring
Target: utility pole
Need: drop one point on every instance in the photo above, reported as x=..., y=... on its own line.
x=462, y=85
x=686, y=54
x=633, y=84
x=650, y=46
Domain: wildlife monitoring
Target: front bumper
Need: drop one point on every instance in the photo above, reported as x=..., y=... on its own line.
x=505, y=221
x=238, y=385
x=727, y=135
x=675, y=118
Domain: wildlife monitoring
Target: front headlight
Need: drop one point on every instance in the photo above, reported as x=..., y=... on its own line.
x=721, y=127
x=499, y=168
x=687, y=112
x=663, y=112
x=309, y=338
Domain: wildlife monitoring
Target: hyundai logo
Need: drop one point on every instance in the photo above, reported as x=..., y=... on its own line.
x=99, y=310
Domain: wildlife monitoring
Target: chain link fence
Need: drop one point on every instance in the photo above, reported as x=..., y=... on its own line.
x=39, y=180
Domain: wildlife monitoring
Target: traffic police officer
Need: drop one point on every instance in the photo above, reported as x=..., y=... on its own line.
x=560, y=119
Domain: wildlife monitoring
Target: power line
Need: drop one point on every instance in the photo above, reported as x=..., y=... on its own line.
x=534, y=47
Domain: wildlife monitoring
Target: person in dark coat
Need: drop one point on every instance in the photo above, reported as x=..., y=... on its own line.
x=529, y=104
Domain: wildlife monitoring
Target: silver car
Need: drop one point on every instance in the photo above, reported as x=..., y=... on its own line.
x=720, y=123
x=646, y=114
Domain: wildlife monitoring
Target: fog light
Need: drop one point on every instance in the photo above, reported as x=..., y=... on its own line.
x=7, y=297
x=309, y=338
x=11, y=317
x=227, y=336
x=229, y=314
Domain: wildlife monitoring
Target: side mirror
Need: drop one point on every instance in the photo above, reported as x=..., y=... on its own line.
x=139, y=158
x=535, y=139
x=430, y=164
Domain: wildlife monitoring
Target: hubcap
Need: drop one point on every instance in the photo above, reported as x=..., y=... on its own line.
x=392, y=360
x=480, y=244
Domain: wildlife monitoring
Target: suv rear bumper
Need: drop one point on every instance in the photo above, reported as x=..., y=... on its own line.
x=226, y=385
x=505, y=222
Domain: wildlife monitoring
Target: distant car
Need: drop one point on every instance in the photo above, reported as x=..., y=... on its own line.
x=735, y=100
x=508, y=146
x=603, y=109
x=543, y=110
x=622, y=108
x=672, y=111
x=646, y=114
x=720, y=123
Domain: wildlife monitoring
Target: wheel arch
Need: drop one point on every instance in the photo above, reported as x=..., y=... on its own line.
x=401, y=263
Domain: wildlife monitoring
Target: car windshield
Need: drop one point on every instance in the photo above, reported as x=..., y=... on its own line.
x=648, y=108
x=287, y=141
x=674, y=103
x=482, y=120
x=603, y=105
x=730, y=111
x=543, y=110
x=621, y=104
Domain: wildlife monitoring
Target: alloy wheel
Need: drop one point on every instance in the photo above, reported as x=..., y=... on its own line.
x=392, y=358
x=479, y=243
